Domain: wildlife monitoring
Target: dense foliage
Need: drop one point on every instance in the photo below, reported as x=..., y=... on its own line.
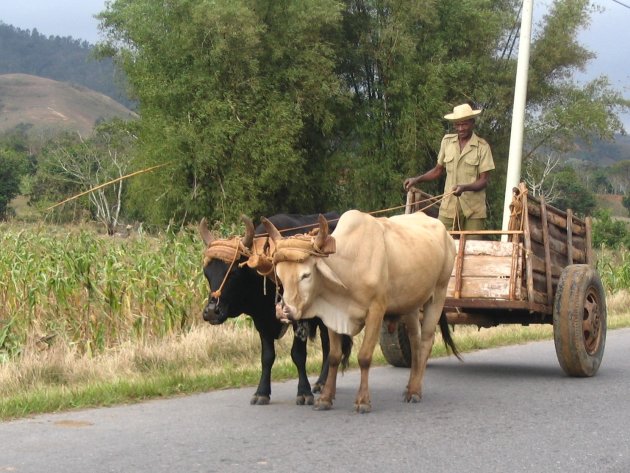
x=13, y=165
x=60, y=58
x=609, y=233
x=265, y=106
x=572, y=193
x=9, y=180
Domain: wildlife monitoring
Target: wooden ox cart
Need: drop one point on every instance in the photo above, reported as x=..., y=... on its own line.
x=543, y=274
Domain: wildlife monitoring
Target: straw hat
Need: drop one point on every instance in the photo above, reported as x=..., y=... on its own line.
x=462, y=112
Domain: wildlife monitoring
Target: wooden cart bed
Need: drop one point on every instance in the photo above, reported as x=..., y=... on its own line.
x=517, y=269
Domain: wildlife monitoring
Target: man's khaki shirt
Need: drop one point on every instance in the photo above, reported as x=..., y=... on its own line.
x=464, y=168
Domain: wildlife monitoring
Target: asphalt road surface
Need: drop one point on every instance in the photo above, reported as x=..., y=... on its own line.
x=502, y=410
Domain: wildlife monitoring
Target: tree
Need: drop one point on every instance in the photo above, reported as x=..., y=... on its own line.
x=239, y=96
x=406, y=64
x=71, y=165
x=12, y=167
x=600, y=183
x=560, y=109
x=608, y=232
x=626, y=202
x=266, y=105
x=572, y=194
x=539, y=176
x=619, y=176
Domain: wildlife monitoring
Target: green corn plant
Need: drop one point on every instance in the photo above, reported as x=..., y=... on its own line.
x=96, y=292
x=614, y=269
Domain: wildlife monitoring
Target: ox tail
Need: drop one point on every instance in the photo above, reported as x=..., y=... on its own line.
x=446, y=336
x=346, y=351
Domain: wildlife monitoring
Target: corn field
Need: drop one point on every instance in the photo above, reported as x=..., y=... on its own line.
x=614, y=269
x=95, y=292
x=92, y=292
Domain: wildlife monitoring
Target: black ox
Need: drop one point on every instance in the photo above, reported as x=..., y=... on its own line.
x=244, y=291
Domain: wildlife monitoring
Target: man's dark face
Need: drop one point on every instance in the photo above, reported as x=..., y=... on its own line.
x=465, y=128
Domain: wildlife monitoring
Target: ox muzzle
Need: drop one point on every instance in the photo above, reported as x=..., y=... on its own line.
x=285, y=313
x=212, y=312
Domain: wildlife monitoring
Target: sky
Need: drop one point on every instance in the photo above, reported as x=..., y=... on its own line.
x=608, y=35
x=54, y=17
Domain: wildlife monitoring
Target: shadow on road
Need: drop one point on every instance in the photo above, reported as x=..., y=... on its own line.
x=502, y=370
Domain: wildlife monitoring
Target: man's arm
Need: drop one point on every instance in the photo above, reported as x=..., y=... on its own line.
x=431, y=175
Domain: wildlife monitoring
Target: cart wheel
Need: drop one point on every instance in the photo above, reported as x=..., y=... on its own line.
x=395, y=343
x=579, y=320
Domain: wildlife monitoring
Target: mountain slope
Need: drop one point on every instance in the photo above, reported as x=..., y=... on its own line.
x=63, y=59
x=47, y=106
x=602, y=153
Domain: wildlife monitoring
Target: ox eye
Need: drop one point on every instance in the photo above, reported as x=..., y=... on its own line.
x=304, y=276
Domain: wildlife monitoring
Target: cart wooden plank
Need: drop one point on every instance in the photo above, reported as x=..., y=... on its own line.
x=484, y=269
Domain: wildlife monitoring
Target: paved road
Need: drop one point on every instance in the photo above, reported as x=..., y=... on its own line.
x=502, y=410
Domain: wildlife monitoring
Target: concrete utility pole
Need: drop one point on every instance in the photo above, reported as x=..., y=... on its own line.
x=518, y=111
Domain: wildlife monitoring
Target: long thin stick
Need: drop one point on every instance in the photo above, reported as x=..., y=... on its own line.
x=107, y=184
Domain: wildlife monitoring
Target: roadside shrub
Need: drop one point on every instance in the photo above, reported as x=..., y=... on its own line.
x=609, y=233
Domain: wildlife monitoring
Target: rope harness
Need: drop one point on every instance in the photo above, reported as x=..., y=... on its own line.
x=297, y=248
x=516, y=221
x=259, y=257
x=228, y=251
x=433, y=201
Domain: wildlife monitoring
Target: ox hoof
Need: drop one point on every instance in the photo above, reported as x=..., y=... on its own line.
x=322, y=405
x=302, y=400
x=318, y=388
x=413, y=397
x=363, y=408
x=258, y=400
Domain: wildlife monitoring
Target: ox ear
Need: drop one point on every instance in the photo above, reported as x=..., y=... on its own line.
x=323, y=241
x=273, y=232
x=248, y=239
x=328, y=273
x=206, y=236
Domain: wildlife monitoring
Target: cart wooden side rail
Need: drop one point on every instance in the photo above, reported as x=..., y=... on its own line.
x=514, y=276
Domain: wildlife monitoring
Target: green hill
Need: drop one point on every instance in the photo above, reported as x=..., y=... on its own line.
x=63, y=59
x=46, y=107
x=603, y=153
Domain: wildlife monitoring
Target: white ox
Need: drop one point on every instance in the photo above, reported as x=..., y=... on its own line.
x=366, y=269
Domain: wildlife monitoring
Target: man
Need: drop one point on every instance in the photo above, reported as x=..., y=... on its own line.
x=467, y=160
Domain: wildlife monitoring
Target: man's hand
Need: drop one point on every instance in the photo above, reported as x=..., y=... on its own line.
x=457, y=190
x=409, y=183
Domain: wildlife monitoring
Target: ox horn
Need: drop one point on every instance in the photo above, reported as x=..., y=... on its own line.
x=322, y=234
x=206, y=236
x=273, y=232
x=248, y=239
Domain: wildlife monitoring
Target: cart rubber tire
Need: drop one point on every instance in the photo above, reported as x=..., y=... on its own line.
x=395, y=343
x=579, y=320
